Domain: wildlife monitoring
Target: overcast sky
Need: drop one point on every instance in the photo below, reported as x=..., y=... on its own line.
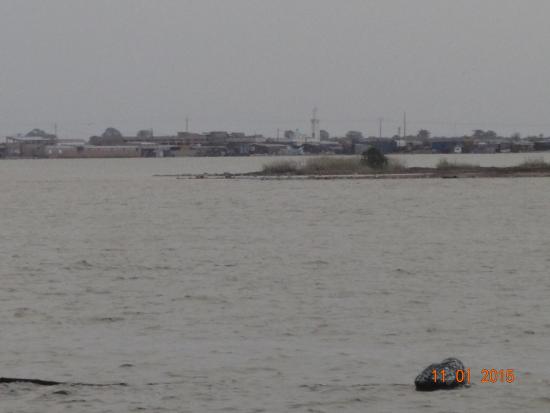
x=259, y=65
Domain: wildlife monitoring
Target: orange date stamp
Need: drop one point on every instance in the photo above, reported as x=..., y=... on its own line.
x=487, y=376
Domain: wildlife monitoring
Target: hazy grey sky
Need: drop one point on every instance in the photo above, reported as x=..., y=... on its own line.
x=259, y=65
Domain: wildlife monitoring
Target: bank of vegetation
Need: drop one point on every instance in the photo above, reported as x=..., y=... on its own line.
x=373, y=162
x=530, y=164
x=370, y=162
x=374, y=165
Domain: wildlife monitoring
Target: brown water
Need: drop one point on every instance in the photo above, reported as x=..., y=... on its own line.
x=298, y=296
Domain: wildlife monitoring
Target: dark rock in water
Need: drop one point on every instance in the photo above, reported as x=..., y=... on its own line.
x=9, y=380
x=426, y=380
x=38, y=382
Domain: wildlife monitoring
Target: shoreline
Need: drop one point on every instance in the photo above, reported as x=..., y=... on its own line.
x=414, y=173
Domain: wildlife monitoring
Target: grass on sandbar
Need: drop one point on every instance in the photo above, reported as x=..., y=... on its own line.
x=529, y=164
x=444, y=165
x=534, y=163
x=329, y=165
x=282, y=167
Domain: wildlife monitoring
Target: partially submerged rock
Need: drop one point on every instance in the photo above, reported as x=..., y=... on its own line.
x=38, y=382
x=430, y=381
x=9, y=380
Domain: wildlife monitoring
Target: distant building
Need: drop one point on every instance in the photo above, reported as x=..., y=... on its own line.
x=384, y=145
x=485, y=147
x=82, y=150
x=238, y=144
x=269, y=149
x=217, y=138
x=210, y=150
x=542, y=145
x=446, y=146
x=90, y=151
x=522, y=146
x=28, y=146
x=188, y=138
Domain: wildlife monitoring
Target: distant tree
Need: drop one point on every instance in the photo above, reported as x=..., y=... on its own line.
x=145, y=133
x=37, y=133
x=423, y=134
x=290, y=135
x=374, y=159
x=111, y=136
x=481, y=134
x=478, y=134
x=112, y=133
x=324, y=135
x=515, y=136
x=354, y=136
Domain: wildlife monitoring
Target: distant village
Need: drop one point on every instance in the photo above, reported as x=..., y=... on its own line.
x=113, y=144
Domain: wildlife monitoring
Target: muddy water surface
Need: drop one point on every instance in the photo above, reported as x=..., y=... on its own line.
x=246, y=296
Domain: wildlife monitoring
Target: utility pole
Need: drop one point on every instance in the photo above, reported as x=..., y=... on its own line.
x=404, y=124
x=380, y=120
x=314, y=124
